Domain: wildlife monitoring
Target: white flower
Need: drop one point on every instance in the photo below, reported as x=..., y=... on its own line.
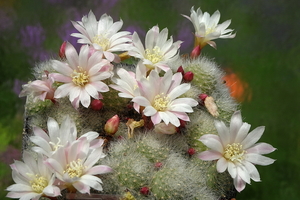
x=57, y=137
x=32, y=179
x=236, y=150
x=158, y=51
x=40, y=89
x=81, y=75
x=103, y=35
x=127, y=83
x=207, y=27
x=74, y=165
x=158, y=96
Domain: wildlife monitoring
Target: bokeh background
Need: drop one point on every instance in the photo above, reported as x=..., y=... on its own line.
x=262, y=64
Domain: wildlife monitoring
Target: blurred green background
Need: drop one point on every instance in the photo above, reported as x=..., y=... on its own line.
x=264, y=54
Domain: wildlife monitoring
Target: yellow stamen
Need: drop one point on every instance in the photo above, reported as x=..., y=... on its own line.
x=80, y=77
x=39, y=183
x=75, y=169
x=234, y=152
x=154, y=55
x=161, y=102
x=102, y=41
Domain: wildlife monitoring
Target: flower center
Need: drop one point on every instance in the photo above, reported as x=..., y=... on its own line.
x=38, y=183
x=161, y=102
x=154, y=55
x=234, y=152
x=102, y=41
x=80, y=77
x=75, y=169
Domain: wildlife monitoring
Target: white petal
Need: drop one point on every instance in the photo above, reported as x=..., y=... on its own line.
x=232, y=169
x=242, y=133
x=253, y=137
x=222, y=165
x=258, y=159
x=235, y=125
x=223, y=132
x=239, y=184
x=212, y=142
x=254, y=175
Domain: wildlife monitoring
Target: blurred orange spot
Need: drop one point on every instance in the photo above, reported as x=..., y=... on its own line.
x=239, y=89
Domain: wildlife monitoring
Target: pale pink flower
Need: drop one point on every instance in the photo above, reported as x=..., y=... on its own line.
x=82, y=75
x=103, y=35
x=207, y=27
x=158, y=51
x=159, y=96
x=74, y=165
x=39, y=89
x=236, y=150
x=32, y=179
x=58, y=136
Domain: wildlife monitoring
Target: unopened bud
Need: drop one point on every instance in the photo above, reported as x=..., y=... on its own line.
x=181, y=70
x=202, y=98
x=162, y=128
x=196, y=52
x=144, y=190
x=191, y=151
x=112, y=125
x=62, y=50
x=96, y=104
x=188, y=76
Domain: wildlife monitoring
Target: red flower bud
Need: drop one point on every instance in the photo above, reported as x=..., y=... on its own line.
x=203, y=96
x=158, y=165
x=196, y=52
x=112, y=125
x=144, y=190
x=188, y=76
x=191, y=151
x=62, y=50
x=96, y=104
x=181, y=70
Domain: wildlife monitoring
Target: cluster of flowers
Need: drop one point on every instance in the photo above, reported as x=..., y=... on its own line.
x=155, y=88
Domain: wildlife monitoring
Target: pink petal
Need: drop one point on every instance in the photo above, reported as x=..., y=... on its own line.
x=209, y=155
x=261, y=148
x=99, y=169
x=239, y=184
x=258, y=159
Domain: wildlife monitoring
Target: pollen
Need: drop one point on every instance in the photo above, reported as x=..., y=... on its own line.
x=234, y=152
x=80, y=77
x=102, y=41
x=161, y=102
x=75, y=169
x=38, y=183
x=154, y=55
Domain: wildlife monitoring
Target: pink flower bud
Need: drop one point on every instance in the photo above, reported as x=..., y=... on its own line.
x=188, y=76
x=158, y=165
x=112, y=125
x=196, y=52
x=202, y=96
x=62, y=50
x=144, y=190
x=181, y=70
x=96, y=104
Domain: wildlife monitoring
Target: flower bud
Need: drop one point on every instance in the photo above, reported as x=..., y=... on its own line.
x=196, y=52
x=162, y=128
x=188, y=76
x=96, y=104
x=144, y=190
x=181, y=70
x=191, y=151
x=202, y=98
x=112, y=125
x=62, y=50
